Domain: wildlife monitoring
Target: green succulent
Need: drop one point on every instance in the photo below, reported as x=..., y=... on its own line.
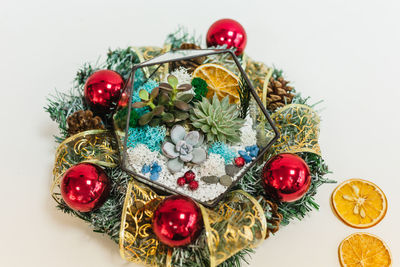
x=167, y=106
x=219, y=120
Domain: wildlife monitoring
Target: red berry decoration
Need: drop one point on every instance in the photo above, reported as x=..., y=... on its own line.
x=124, y=100
x=193, y=185
x=189, y=176
x=177, y=221
x=227, y=32
x=239, y=161
x=286, y=177
x=103, y=90
x=181, y=181
x=85, y=187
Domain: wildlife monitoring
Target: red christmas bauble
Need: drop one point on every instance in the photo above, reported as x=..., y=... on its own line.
x=103, y=90
x=85, y=187
x=286, y=177
x=177, y=221
x=227, y=32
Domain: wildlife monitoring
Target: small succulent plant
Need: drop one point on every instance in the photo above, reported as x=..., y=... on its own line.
x=219, y=120
x=165, y=103
x=185, y=147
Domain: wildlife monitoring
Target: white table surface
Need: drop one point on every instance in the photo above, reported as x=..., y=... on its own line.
x=345, y=52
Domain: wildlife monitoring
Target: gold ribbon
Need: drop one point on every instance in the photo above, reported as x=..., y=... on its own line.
x=298, y=124
x=145, y=53
x=93, y=146
x=299, y=128
x=237, y=222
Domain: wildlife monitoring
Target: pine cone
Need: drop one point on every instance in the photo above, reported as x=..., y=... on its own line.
x=83, y=120
x=190, y=64
x=279, y=93
x=275, y=220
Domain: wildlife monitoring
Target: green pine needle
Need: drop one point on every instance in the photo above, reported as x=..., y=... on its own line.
x=244, y=96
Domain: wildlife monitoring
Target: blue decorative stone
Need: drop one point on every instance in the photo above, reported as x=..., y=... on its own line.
x=154, y=176
x=253, y=150
x=242, y=153
x=155, y=167
x=247, y=158
x=145, y=169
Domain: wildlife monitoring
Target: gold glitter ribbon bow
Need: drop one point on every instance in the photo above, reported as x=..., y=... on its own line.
x=236, y=223
x=298, y=124
x=299, y=127
x=93, y=146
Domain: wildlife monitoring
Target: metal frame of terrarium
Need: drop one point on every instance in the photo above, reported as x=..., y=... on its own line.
x=162, y=59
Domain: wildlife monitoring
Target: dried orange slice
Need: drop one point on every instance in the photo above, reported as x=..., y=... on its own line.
x=220, y=81
x=359, y=203
x=364, y=250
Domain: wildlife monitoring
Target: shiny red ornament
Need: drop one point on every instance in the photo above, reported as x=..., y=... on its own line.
x=85, y=187
x=177, y=221
x=181, y=181
x=239, y=161
x=193, y=185
x=227, y=32
x=189, y=176
x=103, y=90
x=286, y=177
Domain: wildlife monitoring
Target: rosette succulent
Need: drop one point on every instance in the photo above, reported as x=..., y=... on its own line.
x=185, y=147
x=219, y=120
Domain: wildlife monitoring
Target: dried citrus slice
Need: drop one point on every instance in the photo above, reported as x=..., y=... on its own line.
x=364, y=250
x=219, y=80
x=359, y=203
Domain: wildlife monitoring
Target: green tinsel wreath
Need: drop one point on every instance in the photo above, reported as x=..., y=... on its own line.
x=106, y=219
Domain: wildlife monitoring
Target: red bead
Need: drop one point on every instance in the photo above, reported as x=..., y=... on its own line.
x=85, y=187
x=193, y=185
x=177, y=221
x=189, y=176
x=227, y=32
x=103, y=91
x=123, y=101
x=239, y=161
x=286, y=177
x=181, y=181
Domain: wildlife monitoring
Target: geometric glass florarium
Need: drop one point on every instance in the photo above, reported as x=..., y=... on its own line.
x=159, y=154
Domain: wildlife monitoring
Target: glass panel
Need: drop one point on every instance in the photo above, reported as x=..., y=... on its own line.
x=193, y=125
x=178, y=54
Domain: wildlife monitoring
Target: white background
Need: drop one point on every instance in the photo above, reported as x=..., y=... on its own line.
x=345, y=52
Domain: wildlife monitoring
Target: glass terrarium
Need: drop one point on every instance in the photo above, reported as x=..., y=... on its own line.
x=193, y=124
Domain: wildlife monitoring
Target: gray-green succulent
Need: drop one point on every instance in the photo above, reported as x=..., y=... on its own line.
x=218, y=120
x=167, y=106
x=184, y=147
